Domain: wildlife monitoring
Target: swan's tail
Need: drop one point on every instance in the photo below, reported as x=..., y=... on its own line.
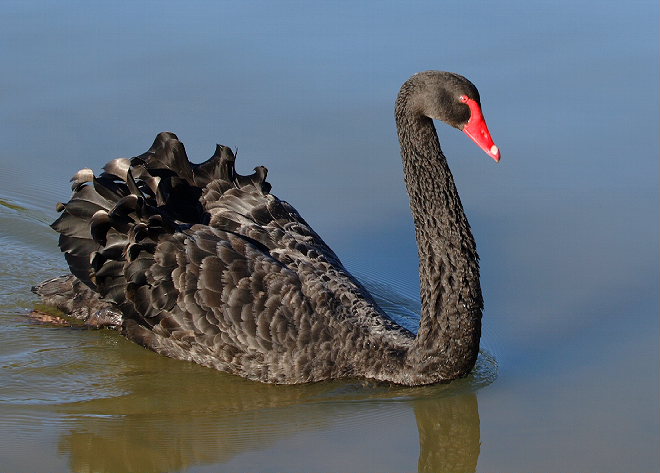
x=74, y=300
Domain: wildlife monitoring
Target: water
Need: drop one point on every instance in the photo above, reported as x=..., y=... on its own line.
x=566, y=227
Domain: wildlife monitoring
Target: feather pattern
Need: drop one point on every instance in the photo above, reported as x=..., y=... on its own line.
x=235, y=280
x=203, y=264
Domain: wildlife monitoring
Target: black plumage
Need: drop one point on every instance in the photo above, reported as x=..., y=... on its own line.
x=204, y=264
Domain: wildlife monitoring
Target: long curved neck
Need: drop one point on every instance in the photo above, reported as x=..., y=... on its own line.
x=447, y=343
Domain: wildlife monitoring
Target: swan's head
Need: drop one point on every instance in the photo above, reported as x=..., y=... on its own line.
x=454, y=100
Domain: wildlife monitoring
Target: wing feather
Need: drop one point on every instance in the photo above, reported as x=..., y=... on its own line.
x=206, y=265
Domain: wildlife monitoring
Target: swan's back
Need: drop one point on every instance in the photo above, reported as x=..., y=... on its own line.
x=206, y=265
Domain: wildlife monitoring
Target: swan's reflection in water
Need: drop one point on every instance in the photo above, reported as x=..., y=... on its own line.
x=195, y=416
x=449, y=435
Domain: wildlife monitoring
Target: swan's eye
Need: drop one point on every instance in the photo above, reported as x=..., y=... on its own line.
x=463, y=98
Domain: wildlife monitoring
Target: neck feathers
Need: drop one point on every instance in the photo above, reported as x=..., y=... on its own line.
x=448, y=339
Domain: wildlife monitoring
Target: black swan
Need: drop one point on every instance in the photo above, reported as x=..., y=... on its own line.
x=199, y=263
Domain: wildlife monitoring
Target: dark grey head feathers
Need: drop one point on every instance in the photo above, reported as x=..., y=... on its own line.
x=435, y=94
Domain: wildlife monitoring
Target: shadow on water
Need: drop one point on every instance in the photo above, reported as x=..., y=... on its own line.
x=449, y=434
x=194, y=416
x=172, y=415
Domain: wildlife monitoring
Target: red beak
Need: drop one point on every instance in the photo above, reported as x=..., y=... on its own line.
x=477, y=129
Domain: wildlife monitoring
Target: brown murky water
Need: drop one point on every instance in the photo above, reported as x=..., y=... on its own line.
x=566, y=227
